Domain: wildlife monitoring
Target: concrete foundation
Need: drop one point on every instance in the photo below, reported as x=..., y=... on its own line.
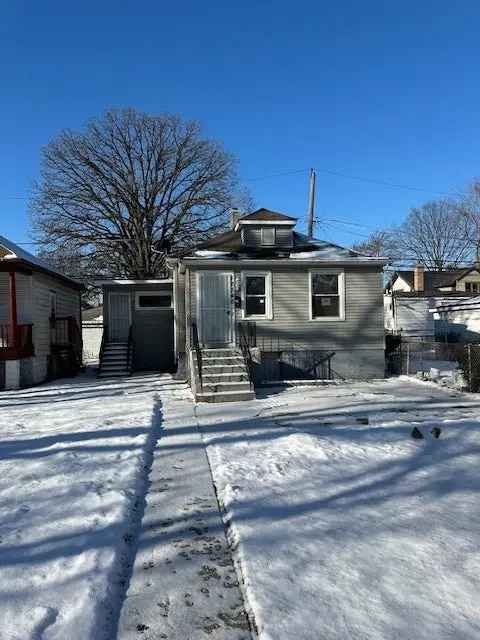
x=356, y=364
x=12, y=374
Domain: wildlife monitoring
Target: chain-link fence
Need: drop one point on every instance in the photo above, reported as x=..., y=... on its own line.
x=457, y=362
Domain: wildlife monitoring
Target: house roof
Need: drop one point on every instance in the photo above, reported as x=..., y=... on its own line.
x=93, y=313
x=459, y=305
x=229, y=246
x=433, y=280
x=266, y=215
x=15, y=256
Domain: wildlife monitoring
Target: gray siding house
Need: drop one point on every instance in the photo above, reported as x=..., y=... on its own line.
x=40, y=319
x=256, y=304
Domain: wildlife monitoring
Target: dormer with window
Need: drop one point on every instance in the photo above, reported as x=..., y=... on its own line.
x=266, y=229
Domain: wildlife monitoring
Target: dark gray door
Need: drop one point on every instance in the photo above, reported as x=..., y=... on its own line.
x=119, y=319
x=216, y=313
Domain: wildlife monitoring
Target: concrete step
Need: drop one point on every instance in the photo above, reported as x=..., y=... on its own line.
x=223, y=360
x=114, y=359
x=108, y=374
x=117, y=355
x=223, y=368
x=226, y=396
x=224, y=377
x=218, y=387
x=208, y=353
x=115, y=351
x=114, y=370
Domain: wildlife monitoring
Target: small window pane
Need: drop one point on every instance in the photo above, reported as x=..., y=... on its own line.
x=325, y=306
x=268, y=236
x=255, y=285
x=255, y=306
x=154, y=302
x=324, y=283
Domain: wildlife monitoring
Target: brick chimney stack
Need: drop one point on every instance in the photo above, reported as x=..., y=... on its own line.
x=419, y=278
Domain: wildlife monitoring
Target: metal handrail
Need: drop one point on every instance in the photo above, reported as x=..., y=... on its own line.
x=130, y=348
x=196, y=345
x=247, y=338
x=104, y=340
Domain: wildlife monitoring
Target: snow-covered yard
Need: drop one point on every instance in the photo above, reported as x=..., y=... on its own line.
x=344, y=526
x=73, y=461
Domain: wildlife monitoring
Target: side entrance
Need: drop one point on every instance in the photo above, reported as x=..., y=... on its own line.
x=215, y=311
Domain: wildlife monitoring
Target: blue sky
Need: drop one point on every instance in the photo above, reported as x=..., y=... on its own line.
x=384, y=91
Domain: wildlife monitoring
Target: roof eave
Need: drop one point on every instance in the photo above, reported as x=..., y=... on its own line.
x=20, y=264
x=192, y=260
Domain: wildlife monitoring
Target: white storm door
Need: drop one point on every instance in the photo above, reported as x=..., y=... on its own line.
x=215, y=309
x=119, y=317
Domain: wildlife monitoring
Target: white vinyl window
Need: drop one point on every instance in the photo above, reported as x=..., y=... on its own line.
x=257, y=295
x=327, y=295
x=153, y=300
x=268, y=236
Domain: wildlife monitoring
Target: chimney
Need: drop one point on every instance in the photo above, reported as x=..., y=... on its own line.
x=419, y=278
x=235, y=214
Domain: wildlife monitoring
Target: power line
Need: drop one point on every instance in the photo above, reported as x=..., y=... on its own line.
x=276, y=175
x=340, y=174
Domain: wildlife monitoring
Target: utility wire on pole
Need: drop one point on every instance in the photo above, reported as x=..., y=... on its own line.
x=311, y=203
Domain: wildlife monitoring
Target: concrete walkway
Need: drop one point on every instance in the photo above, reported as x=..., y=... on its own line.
x=184, y=585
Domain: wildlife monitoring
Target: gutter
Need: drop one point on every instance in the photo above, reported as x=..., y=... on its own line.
x=202, y=262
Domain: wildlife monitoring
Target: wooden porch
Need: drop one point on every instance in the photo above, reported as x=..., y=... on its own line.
x=16, y=340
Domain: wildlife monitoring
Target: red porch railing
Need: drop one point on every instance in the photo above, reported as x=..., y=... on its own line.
x=16, y=344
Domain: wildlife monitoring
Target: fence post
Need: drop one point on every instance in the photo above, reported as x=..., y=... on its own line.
x=408, y=358
x=469, y=351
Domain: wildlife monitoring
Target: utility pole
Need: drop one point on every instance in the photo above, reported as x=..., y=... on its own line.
x=311, y=203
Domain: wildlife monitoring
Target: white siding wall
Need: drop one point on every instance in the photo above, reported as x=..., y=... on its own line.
x=24, y=292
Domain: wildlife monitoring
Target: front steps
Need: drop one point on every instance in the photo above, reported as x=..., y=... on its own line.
x=114, y=362
x=224, y=377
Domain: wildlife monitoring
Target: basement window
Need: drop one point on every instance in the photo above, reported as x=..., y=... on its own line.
x=153, y=300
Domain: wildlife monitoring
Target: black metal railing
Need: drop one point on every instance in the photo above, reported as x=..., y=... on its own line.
x=130, y=349
x=195, y=344
x=103, y=342
x=247, y=339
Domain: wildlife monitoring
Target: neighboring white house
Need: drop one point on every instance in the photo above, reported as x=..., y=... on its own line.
x=411, y=295
x=461, y=316
x=39, y=319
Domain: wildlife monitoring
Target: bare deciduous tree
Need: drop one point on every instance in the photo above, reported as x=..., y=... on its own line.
x=469, y=217
x=129, y=189
x=434, y=236
x=379, y=243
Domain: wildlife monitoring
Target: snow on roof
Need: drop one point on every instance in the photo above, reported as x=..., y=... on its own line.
x=17, y=253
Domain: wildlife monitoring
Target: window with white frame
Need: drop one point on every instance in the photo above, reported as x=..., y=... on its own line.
x=327, y=295
x=257, y=295
x=268, y=236
x=153, y=300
